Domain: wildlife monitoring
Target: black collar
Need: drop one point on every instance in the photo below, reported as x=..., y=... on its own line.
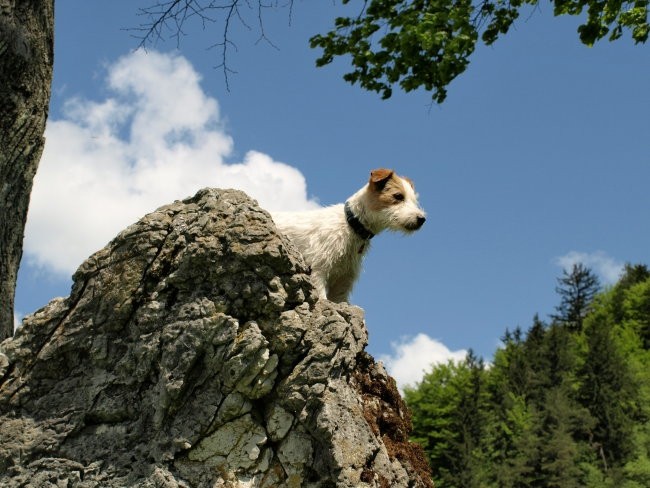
x=355, y=223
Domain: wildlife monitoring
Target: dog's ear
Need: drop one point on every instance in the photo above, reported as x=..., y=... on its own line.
x=379, y=178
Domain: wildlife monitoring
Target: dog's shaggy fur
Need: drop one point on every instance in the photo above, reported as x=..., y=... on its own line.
x=333, y=240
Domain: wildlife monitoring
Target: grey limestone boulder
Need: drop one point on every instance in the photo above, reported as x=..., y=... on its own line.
x=192, y=352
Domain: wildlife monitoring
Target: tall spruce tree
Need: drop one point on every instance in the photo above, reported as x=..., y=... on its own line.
x=536, y=362
x=608, y=389
x=577, y=290
x=559, y=448
x=511, y=436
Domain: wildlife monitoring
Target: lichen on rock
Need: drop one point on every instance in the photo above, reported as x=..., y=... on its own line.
x=192, y=352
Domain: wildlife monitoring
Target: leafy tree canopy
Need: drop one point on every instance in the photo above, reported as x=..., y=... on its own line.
x=427, y=43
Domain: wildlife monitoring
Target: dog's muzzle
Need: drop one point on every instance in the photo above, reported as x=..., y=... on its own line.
x=415, y=225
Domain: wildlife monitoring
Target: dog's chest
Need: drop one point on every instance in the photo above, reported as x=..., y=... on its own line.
x=348, y=257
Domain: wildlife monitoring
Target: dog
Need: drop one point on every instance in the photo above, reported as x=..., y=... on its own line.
x=333, y=240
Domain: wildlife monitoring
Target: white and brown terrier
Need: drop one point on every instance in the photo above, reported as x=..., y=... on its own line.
x=334, y=239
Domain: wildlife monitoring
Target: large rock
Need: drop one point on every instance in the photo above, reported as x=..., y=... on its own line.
x=192, y=352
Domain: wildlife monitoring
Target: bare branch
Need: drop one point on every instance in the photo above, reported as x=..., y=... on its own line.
x=263, y=37
x=169, y=18
x=226, y=42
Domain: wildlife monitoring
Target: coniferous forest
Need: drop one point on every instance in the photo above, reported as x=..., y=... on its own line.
x=565, y=404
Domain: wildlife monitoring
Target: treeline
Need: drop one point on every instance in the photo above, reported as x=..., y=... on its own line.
x=566, y=404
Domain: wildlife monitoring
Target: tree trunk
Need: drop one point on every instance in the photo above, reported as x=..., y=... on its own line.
x=26, y=58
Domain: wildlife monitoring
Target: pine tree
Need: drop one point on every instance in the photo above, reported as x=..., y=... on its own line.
x=577, y=290
x=632, y=275
x=513, y=444
x=471, y=423
x=560, y=351
x=536, y=362
x=560, y=451
x=607, y=389
x=512, y=434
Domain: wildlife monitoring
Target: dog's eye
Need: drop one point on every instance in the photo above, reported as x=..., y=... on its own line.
x=398, y=197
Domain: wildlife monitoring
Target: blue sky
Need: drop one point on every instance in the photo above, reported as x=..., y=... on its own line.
x=540, y=157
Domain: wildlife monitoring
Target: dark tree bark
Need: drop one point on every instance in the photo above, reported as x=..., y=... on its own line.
x=26, y=59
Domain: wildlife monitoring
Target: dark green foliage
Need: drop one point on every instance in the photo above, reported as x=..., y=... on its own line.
x=427, y=43
x=577, y=290
x=637, y=311
x=512, y=433
x=608, y=389
x=564, y=422
x=632, y=275
x=560, y=406
x=607, y=17
x=421, y=43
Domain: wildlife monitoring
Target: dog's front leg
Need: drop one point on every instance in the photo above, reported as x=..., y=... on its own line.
x=320, y=284
x=339, y=290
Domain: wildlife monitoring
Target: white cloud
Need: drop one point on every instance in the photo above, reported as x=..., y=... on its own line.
x=413, y=357
x=158, y=137
x=608, y=269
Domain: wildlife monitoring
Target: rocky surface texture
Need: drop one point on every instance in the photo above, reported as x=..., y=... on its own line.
x=192, y=352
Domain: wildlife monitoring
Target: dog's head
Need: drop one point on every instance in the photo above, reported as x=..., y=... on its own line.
x=392, y=201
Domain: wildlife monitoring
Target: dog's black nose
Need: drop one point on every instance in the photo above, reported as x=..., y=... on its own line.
x=420, y=221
